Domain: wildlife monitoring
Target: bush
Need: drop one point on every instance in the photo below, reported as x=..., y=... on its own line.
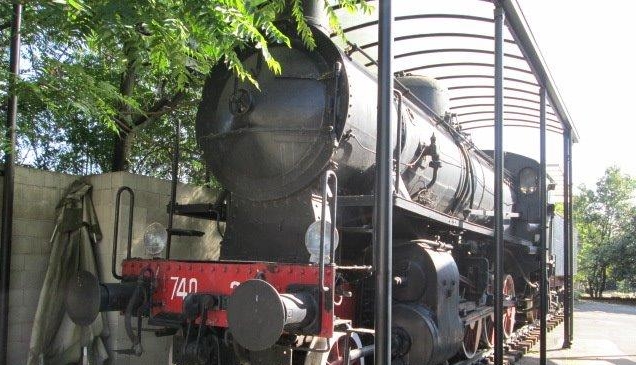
x=624, y=286
x=577, y=294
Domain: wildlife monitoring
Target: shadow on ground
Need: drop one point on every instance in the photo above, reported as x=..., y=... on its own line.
x=592, y=306
x=580, y=360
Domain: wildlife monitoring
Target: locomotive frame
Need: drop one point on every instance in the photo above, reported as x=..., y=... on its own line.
x=296, y=297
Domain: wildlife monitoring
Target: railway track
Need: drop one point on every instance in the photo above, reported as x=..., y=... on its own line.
x=519, y=343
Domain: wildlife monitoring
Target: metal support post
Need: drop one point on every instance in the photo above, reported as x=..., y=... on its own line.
x=544, y=287
x=499, y=168
x=7, y=191
x=383, y=203
x=571, y=239
x=567, y=246
x=173, y=186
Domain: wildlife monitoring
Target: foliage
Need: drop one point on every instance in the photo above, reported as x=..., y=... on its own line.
x=625, y=254
x=154, y=145
x=104, y=80
x=605, y=220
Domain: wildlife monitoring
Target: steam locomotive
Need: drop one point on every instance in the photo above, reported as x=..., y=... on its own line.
x=294, y=281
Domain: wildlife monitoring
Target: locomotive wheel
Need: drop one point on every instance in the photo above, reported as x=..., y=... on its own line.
x=223, y=354
x=508, y=315
x=171, y=359
x=488, y=328
x=472, y=334
x=335, y=356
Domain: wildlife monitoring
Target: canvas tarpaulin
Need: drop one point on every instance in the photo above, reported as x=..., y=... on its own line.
x=55, y=339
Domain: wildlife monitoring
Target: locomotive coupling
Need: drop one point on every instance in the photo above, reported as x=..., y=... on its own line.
x=86, y=297
x=257, y=314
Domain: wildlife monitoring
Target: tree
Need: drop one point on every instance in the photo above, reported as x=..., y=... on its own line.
x=625, y=254
x=121, y=69
x=603, y=219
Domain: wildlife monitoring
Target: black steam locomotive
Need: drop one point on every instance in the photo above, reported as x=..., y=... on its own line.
x=294, y=282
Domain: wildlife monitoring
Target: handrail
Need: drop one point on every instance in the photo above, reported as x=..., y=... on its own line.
x=116, y=228
x=398, y=145
x=327, y=177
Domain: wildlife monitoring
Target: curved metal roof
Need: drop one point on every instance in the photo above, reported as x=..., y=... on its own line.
x=453, y=41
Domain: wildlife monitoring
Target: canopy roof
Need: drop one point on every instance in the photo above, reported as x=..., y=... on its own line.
x=453, y=41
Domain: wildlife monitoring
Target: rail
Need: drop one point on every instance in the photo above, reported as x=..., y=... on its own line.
x=116, y=228
x=398, y=144
x=327, y=177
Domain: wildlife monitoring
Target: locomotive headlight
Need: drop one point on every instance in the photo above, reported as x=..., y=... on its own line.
x=312, y=241
x=528, y=181
x=155, y=239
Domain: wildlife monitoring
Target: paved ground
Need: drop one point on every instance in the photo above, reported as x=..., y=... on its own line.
x=604, y=334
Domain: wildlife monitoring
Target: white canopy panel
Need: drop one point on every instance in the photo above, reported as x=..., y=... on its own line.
x=453, y=41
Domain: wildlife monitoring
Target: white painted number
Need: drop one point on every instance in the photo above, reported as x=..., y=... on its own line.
x=179, y=289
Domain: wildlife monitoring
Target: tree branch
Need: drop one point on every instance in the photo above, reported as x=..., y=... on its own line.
x=160, y=107
x=126, y=87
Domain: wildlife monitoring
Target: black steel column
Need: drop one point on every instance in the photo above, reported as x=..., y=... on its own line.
x=498, y=155
x=567, y=250
x=543, y=197
x=383, y=204
x=7, y=191
x=176, y=154
x=571, y=239
x=571, y=244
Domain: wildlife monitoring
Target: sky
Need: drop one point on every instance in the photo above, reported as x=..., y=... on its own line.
x=590, y=49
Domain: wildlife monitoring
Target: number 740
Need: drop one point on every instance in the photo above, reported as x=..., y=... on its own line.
x=180, y=289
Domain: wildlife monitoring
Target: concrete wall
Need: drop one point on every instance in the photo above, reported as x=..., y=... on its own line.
x=37, y=193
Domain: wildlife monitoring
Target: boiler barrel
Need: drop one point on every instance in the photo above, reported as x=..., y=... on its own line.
x=268, y=142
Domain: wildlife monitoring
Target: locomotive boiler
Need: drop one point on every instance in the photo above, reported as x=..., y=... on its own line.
x=293, y=284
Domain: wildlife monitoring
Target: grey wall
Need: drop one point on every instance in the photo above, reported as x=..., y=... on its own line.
x=37, y=193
